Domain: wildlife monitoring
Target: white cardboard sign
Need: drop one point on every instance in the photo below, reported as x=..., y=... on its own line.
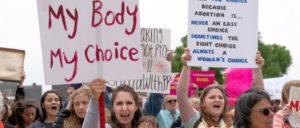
x=294, y=100
x=156, y=68
x=223, y=33
x=84, y=40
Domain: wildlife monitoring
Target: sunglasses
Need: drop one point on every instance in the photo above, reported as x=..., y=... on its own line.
x=170, y=101
x=265, y=111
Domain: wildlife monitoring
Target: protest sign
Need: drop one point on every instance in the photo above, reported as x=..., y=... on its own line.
x=84, y=40
x=11, y=64
x=156, y=68
x=238, y=81
x=173, y=84
x=198, y=78
x=202, y=78
x=274, y=86
x=223, y=33
x=294, y=100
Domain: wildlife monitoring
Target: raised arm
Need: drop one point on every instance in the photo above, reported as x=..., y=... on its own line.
x=257, y=72
x=91, y=119
x=20, y=94
x=185, y=107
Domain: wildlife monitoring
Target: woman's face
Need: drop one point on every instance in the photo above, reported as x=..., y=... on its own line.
x=28, y=115
x=214, y=102
x=51, y=104
x=80, y=104
x=124, y=107
x=261, y=116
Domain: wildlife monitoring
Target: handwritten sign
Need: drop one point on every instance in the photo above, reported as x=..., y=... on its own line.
x=294, y=100
x=223, y=33
x=238, y=81
x=83, y=40
x=156, y=68
x=11, y=64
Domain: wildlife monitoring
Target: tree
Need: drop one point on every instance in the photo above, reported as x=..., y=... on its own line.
x=277, y=60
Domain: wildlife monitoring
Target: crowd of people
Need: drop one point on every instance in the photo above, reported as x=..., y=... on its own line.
x=124, y=108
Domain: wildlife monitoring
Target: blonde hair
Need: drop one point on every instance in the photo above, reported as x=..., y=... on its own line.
x=73, y=121
x=7, y=113
x=285, y=93
x=107, y=115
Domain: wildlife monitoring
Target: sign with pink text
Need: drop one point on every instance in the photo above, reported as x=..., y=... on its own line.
x=156, y=43
x=294, y=100
x=84, y=40
x=238, y=81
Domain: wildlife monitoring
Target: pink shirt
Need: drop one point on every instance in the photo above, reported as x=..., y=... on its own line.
x=278, y=121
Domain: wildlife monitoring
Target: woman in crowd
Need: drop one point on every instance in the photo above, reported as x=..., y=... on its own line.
x=125, y=112
x=26, y=112
x=281, y=117
x=213, y=102
x=51, y=104
x=252, y=110
x=73, y=115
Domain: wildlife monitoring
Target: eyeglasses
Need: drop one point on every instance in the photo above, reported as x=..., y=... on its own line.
x=170, y=101
x=265, y=111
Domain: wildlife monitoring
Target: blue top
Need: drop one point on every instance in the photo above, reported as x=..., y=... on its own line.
x=165, y=118
x=153, y=104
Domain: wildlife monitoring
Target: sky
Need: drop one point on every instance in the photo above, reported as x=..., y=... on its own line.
x=19, y=28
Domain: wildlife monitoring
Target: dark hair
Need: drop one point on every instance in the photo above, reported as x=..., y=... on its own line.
x=125, y=88
x=206, y=116
x=43, y=100
x=244, y=105
x=151, y=120
x=20, y=106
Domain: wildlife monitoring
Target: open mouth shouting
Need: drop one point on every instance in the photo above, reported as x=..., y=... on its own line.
x=217, y=107
x=125, y=116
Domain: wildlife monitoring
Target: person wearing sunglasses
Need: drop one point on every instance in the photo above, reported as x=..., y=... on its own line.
x=168, y=113
x=253, y=110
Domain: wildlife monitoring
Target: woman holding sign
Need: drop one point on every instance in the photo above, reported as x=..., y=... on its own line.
x=125, y=110
x=281, y=117
x=213, y=102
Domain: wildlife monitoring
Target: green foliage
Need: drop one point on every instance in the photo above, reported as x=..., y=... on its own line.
x=277, y=60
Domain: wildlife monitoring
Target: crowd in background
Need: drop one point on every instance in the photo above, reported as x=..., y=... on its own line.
x=124, y=108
